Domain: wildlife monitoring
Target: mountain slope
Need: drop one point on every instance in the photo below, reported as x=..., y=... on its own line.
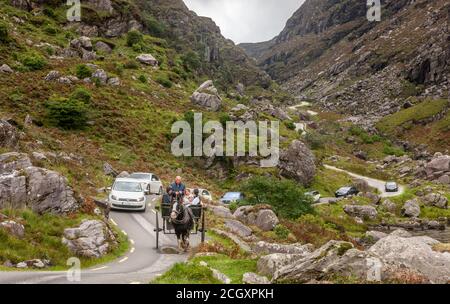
x=330, y=53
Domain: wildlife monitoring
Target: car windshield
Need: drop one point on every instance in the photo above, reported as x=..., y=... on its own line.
x=140, y=176
x=391, y=184
x=127, y=187
x=232, y=195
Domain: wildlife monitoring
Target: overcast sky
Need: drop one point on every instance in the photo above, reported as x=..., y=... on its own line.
x=247, y=20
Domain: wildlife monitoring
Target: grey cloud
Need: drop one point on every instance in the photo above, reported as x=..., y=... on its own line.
x=247, y=20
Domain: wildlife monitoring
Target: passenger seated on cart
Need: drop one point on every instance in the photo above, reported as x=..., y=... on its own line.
x=166, y=198
x=195, y=201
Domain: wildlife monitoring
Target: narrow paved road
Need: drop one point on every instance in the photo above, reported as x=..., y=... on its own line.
x=374, y=183
x=141, y=264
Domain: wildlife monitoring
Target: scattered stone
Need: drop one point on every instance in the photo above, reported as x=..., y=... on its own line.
x=376, y=235
x=109, y=170
x=261, y=216
x=220, y=276
x=9, y=136
x=15, y=229
x=436, y=200
x=361, y=185
x=100, y=75
x=207, y=97
x=91, y=239
x=254, y=279
x=374, y=198
x=147, y=59
x=389, y=206
x=52, y=75
x=6, y=69
x=269, y=264
x=411, y=208
x=364, y=212
x=242, y=245
x=103, y=47
x=114, y=81
x=39, y=156
x=270, y=248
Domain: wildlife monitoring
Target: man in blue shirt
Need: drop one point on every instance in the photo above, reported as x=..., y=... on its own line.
x=177, y=188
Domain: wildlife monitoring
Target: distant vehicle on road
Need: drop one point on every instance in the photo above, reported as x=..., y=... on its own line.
x=204, y=193
x=346, y=191
x=150, y=182
x=232, y=197
x=128, y=194
x=391, y=187
x=315, y=195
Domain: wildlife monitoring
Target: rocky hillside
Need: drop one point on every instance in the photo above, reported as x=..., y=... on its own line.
x=330, y=53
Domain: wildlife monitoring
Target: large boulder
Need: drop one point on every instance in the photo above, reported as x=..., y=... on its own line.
x=207, y=96
x=260, y=216
x=411, y=208
x=147, y=59
x=415, y=253
x=335, y=258
x=81, y=43
x=253, y=278
x=92, y=239
x=440, y=163
x=364, y=212
x=389, y=206
x=238, y=228
x=221, y=211
x=436, y=200
x=9, y=137
x=269, y=264
x=15, y=229
x=23, y=185
x=103, y=47
x=270, y=248
x=298, y=163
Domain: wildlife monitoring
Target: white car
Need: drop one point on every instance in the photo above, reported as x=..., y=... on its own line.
x=149, y=181
x=128, y=194
x=315, y=195
x=205, y=194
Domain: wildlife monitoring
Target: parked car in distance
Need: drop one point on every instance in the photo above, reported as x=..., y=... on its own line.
x=149, y=181
x=347, y=191
x=204, y=193
x=391, y=187
x=128, y=194
x=315, y=195
x=232, y=197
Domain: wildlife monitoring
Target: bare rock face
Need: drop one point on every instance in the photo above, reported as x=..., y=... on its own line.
x=91, y=239
x=411, y=208
x=264, y=218
x=298, y=162
x=221, y=211
x=364, y=212
x=438, y=167
x=270, y=248
x=147, y=59
x=23, y=185
x=207, y=96
x=436, y=200
x=252, y=278
x=238, y=228
x=13, y=228
x=269, y=264
x=388, y=206
x=415, y=253
x=9, y=137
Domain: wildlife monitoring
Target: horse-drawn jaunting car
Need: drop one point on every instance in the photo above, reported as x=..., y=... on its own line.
x=182, y=221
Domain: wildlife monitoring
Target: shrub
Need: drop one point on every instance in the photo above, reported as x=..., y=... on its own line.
x=49, y=12
x=33, y=62
x=290, y=125
x=67, y=114
x=314, y=140
x=3, y=33
x=131, y=65
x=282, y=232
x=191, y=61
x=83, y=71
x=164, y=81
x=50, y=30
x=134, y=37
x=81, y=94
x=285, y=196
x=155, y=28
x=142, y=79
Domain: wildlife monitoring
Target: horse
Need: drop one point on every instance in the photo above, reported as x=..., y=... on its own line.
x=183, y=222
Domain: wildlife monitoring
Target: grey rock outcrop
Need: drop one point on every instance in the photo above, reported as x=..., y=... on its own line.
x=147, y=59
x=364, y=212
x=436, y=200
x=15, y=229
x=238, y=228
x=263, y=218
x=9, y=136
x=207, y=96
x=23, y=185
x=298, y=163
x=270, y=248
x=91, y=239
x=251, y=278
x=411, y=208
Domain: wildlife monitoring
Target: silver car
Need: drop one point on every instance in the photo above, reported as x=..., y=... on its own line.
x=149, y=181
x=127, y=194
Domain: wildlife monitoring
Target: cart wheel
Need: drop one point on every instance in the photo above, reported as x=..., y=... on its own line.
x=157, y=230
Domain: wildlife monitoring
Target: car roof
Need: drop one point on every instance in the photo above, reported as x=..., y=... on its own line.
x=142, y=173
x=345, y=188
x=127, y=179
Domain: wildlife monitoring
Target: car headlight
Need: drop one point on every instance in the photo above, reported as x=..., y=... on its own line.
x=141, y=199
x=113, y=197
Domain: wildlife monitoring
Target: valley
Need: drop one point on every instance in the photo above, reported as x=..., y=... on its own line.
x=358, y=104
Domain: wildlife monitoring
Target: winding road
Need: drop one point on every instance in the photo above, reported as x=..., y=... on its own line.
x=372, y=182
x=139, y=265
